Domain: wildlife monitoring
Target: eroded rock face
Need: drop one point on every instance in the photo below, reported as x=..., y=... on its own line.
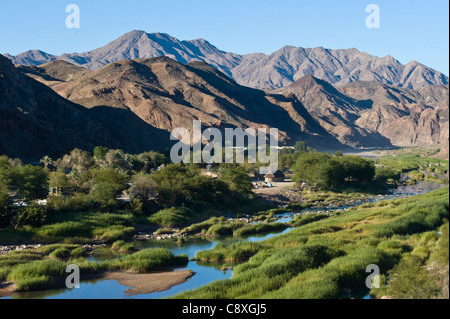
x=444, y=152
x=167, y=94
x=372, y=114
x=35, y=121
x=135, y=104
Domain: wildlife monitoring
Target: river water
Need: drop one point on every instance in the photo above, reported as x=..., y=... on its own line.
x=205, y=272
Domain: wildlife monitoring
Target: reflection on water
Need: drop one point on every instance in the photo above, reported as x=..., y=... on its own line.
x=205, y=272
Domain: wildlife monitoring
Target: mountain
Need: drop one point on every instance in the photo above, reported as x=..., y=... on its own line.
x=257, y=70
x=53, y=73
x=32, y=57
x=167, y=94
x=373, y=114
x=35, y=121
x=403, y=115
x=335, y=112
x=289, y=64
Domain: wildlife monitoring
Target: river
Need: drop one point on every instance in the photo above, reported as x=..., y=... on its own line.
x=205, y=272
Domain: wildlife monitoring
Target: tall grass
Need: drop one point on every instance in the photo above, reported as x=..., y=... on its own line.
x=259, y=228
x=327, y=258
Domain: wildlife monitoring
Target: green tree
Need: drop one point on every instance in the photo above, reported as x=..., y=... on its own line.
x=358, y=168
x=319, y=170
x=47, y=160
x=100, y=152
x=300, y=146
x=58, y=181
x=236, y=178
x=111, y=176
x=5, y=171
x=143, y=187
x=4, y=201
x=105, y=194
x=172, y=184
x=77, y=160
x=33, y=215
x=30, y=181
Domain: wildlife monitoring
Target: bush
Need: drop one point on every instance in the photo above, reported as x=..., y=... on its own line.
x=37, y=274
x=418, y=219
x=409, y=280
x=385, y=174
x=33, y=215
x=259, y=228
x=172, y=217
x=145, y=261
x=301, y=220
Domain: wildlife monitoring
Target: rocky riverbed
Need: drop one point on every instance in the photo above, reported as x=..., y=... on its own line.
x=8, y=248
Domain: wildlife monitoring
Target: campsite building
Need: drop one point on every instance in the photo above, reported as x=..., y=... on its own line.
x=273, y=177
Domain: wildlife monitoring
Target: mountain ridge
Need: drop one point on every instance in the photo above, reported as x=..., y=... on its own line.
x=257, y=70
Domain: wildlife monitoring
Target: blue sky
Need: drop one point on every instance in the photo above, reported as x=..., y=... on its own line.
x=409, y=30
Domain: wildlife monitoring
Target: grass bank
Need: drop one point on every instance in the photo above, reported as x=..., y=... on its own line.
x=328, y=258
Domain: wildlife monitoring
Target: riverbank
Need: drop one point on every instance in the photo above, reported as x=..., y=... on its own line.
x=327, y=258
x=137, y=283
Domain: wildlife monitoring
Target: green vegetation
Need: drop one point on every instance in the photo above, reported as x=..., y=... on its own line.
x=172, y=217
x=233, y=253
x=301, y=220
x=327, y=258
x=123, y=246
x=84, y=204
x=33, y=270
x=259, y=228
x=414, y=166
x=324, y=171
x=145, y=261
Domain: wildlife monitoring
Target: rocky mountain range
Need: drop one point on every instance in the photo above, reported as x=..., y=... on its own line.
x=257, y=70
x=373, y=114
x=35, y=121
x=167, y=94
x=133, y=92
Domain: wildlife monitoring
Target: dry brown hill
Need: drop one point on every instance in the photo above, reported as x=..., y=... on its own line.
x=167, y=94
x=35, y=121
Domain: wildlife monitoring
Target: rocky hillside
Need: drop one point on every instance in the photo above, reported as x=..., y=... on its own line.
x=258, y=70
x=444, y=151
x=372, y=114
x=167, y=94
x=35, y=121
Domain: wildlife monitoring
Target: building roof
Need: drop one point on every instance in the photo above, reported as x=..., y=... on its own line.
x=276, y=174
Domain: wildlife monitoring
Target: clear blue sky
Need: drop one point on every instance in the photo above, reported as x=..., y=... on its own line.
x=410, y=30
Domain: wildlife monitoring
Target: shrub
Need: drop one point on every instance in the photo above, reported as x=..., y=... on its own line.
x=33, y=215
x=37, y=274
x=145, y=261
x=259, y=228
x=301, y=220
x=172, y=217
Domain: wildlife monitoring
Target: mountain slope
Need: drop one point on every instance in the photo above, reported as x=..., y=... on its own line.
x=258, y=70
x=35, y=121
x=138, y=44
x=167, y=94
x=372, y=114
x=289, y=64
x=335, y=111
x=405, y=116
